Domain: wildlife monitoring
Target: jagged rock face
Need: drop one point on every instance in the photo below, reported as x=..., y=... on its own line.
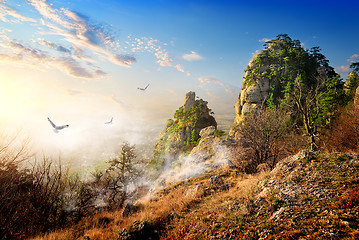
x=210, y=153
x=255, y=89
x=270, y=75
x=351, y=87
x=182, y=134
x=356, y=98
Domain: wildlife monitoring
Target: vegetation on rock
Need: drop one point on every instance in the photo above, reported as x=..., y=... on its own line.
x=181, y=135
x=299, y=81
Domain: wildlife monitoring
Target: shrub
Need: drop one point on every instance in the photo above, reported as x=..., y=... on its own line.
x=261, y=135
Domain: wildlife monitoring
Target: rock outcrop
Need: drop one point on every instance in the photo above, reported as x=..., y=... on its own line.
x=272, y=73
x=210, y=153
x=356, y=98
x=182, y=134
x=256, y=85
x=351, y=87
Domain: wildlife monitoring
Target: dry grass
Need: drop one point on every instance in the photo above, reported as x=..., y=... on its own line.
x=194, y=209
x=176, y=208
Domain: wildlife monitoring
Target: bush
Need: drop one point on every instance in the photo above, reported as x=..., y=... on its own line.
x=344, y=136
x=262, y=134
x=30, y=198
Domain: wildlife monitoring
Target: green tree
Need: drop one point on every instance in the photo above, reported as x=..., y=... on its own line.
x=121, y=173
x=355, y=67
x=303, y=83
x=352, y=82
x=316, y=104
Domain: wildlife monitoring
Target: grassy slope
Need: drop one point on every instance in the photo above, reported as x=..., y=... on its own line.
x=308, y=196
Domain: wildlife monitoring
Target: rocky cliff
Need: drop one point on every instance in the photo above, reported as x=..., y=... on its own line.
x=271, y=74
x=182, y=134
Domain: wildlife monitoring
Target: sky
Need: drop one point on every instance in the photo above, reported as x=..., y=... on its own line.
x=80, y=62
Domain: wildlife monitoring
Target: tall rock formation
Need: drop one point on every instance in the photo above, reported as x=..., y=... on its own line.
x=272, y=73
x=182, y=134
x=351, y=87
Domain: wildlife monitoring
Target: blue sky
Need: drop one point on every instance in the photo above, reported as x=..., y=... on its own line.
x=81, y=61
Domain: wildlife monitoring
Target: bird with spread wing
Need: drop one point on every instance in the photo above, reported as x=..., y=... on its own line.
x=143, y=89
x=57, y=128
x=109, y=122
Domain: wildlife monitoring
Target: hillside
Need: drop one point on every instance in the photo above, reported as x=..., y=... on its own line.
x=311, y=195
x=274, y=176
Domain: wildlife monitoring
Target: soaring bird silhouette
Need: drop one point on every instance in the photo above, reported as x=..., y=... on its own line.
x=143, y=89
x=57, y=128
x=109, y=122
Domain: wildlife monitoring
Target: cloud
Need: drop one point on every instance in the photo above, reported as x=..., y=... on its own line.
x=82, y=40
x=151, y=45
x=78, y=30
x=352, y=58
x=54, y=46
x=179, y=67
x=79, y=53
x=211, y=80
x=172, y=91
x=122, y=60
x=34, y=56
x=31, y=53
x=10, y=58
x=264, y=40
x=74, y=68
x=16, y=17
x=208, y=80
x=72, y=92
x=345, y=69
x=163, y=58
x=193, y=56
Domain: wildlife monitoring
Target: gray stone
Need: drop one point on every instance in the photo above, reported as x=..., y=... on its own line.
x=207, y=132
x=189, y=100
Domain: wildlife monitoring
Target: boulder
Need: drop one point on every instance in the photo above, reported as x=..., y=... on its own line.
x=207, y=132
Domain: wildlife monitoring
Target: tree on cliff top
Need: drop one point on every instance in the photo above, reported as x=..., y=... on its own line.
x=352, y=82
x=303, y=82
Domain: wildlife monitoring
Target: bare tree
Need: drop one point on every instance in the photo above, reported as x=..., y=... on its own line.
x=261, y=134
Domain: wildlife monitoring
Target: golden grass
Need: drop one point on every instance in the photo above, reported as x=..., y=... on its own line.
x=194, y=205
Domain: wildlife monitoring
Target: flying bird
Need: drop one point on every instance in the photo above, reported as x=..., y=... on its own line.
x=143, y=89
x=57, y=128
x=109, y=122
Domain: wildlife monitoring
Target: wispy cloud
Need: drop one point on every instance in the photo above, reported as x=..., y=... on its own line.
x=54, y=46
x=345, y=69
x=157, y=48
x=80, y=42
x=212, y=80
x=17, y=52
x=193, y=56
x=172, y=91
x=353, y=58
x=74, y=68
x=208, y=80
x=79, y=31
x=264, y=40
x=9, y=14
